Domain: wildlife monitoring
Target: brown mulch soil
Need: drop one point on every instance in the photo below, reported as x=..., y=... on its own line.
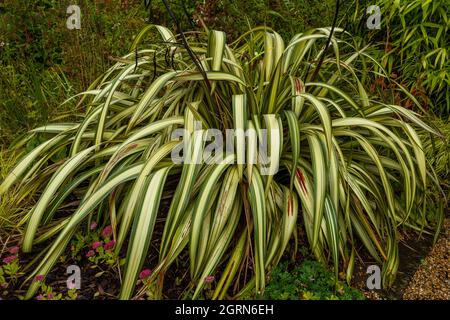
x=424, y=271
x=424, y=274
x=432, y=280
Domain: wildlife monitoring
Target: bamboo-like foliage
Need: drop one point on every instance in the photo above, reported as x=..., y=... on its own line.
x=437, y=151
x=418, y=29
x=351, y=169
x=415, y=45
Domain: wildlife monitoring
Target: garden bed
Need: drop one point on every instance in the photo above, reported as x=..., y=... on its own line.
x=336, y=155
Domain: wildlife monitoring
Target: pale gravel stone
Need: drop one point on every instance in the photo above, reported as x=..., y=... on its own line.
x=432, y=280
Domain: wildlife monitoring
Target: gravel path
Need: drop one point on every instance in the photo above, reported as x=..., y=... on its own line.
x=432, y=280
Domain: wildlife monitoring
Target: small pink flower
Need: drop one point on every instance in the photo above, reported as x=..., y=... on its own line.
x=145, y=274
x=96, y=244
x=109, y=245
x=90, y=253
x=71, y=285
x=40, y=297
x=14, y=250
x=9, y=259
x=39, y=278
x=93, y=225
x=107, y=231
x=50, y=295
x=209, y=279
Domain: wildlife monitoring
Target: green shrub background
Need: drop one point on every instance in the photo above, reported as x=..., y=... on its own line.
x=43, y=63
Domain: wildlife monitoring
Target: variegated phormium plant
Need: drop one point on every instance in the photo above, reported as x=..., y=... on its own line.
x=352, y=170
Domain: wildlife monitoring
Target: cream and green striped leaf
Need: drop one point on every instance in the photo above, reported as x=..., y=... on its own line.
x=141, y=234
